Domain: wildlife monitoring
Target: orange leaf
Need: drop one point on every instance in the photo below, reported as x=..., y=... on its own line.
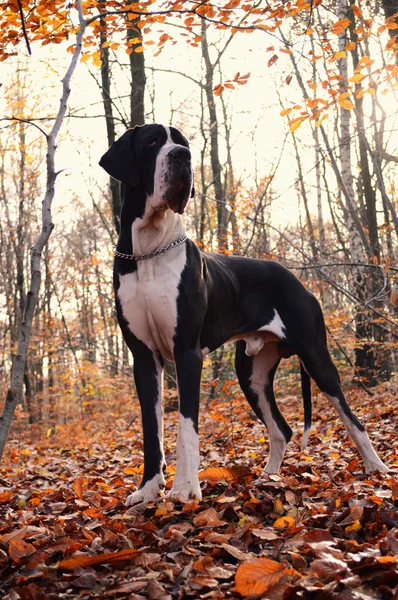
x=256, y=576
x=387, y=560
x=217, y=474
x=78, y=487
x=356, y=10
x=86, y=561
x=278, y=506
x=129, y=471
x=346, y=104
x=285, y=522
x=5, y=497
x=19, y=549
x=94, y=513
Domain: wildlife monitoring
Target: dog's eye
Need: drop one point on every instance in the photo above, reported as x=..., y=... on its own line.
x=152, y=142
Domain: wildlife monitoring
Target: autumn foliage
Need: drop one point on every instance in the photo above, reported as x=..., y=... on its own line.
x=321, y=529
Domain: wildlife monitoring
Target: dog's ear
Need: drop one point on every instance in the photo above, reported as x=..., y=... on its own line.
x=120, y=161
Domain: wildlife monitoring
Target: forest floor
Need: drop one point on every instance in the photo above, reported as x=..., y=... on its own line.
x=320, y=530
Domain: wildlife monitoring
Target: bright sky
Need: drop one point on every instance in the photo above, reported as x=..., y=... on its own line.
x=258, y=130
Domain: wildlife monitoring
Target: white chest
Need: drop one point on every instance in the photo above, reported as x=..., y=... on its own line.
x=148, y=299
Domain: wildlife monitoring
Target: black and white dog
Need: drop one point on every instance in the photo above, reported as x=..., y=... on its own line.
x=176, y=302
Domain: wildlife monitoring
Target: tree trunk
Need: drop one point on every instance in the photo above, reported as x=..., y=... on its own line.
x=14, y=393
x=138, y=77
x=110, y=124
x=364, y=356
x=214, y=152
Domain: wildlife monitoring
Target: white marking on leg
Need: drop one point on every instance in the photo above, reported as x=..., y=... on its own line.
x=360, y=439
x=262, y=364
x=148, y=492
x=304, y=439
x=254, y=344
x=275, y=326
x=159, y=415
x=186, y=482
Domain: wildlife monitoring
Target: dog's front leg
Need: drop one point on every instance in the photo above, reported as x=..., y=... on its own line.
x=148, y=375
x=189, y=370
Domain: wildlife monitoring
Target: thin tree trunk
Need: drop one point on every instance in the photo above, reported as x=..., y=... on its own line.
x=364, y=356
x=138, y=77
x=110, y=124
x=214, y=151
x=14, y=393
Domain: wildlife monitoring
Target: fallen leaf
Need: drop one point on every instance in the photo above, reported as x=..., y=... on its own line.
x=255, y=577
x=109, y=558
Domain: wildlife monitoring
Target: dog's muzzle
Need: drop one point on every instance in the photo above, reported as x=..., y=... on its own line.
x=180, y=178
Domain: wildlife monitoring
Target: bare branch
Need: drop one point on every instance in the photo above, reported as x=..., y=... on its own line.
x=17, y=119
x=25, y=34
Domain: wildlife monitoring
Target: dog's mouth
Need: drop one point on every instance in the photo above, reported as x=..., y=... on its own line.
x=179, y=189
x=179, y=198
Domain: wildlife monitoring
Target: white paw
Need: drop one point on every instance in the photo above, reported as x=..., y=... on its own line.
x=377, y=466
x=148, y=492
x=186, y=489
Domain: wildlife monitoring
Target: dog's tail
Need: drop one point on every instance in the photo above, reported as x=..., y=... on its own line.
x=306, y=391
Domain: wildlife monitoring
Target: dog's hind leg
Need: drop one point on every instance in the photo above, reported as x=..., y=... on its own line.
x=319, y=365
x=256, y=377
x=148, y=375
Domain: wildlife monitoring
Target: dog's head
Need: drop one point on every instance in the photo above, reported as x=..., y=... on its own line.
x=156, y=158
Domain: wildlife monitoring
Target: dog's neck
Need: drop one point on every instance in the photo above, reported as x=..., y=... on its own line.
x=144, y=230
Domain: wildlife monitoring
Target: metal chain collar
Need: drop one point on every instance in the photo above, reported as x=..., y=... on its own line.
x=155, y=253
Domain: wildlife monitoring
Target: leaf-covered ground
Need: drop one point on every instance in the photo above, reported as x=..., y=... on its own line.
x=322, y=529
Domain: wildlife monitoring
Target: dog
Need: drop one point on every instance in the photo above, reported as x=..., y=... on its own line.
x=175, y=302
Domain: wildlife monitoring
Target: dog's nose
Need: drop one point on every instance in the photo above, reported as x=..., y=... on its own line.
x=181, y=153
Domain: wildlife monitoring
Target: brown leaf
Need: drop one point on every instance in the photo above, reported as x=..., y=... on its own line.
x=318, y=535
x=290, y=497
x=128, y=588
x=207, y=518
x=265, y=534
x=330, y=569
x=257, y=576
x=109, y=558
x=272, y=60
x=235, y=552
x=298, y=561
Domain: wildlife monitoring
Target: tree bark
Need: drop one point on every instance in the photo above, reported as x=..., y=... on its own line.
x=214, y=151
x=364, y=356
x=138, y=77
x=108, y=109
x=14, y=393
